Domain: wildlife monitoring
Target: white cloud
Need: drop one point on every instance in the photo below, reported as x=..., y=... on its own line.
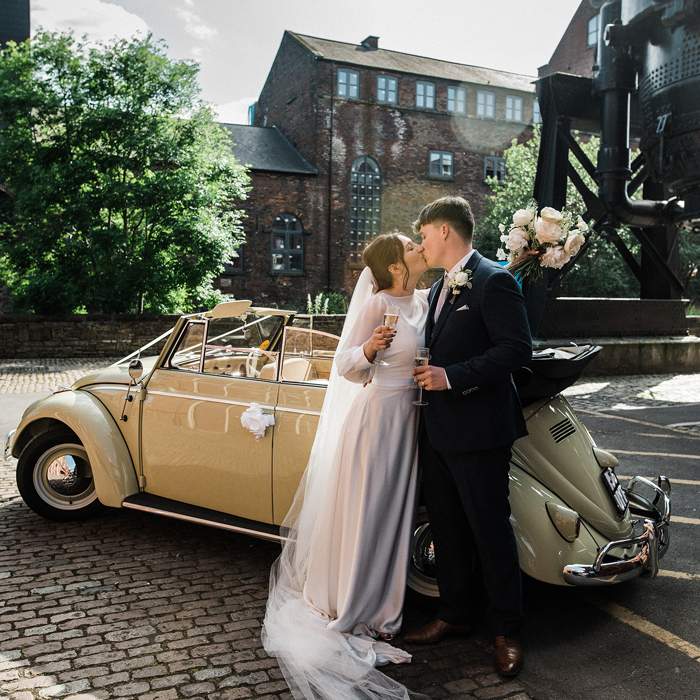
x=235, y=112
x=194, y=25
x=99, y=20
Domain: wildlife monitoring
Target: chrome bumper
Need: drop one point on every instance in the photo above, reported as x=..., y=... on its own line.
x=652, y=542
x=8, y=443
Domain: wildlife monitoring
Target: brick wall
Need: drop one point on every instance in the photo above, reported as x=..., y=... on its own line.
x=25, y=336
x=80, y=335
x=573, y=55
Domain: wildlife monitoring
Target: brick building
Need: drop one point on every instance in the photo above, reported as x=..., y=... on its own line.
x=379, y=133
x=575, y=52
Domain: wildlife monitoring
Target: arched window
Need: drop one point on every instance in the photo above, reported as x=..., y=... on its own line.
x=287, y=244
x=365, y=205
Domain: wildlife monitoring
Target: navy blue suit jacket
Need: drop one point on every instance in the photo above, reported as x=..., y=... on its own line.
x=480, y=339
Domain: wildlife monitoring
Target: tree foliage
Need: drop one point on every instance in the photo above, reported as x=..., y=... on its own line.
x=119, y=190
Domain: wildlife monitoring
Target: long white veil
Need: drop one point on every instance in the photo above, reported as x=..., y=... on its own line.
x=320, y=663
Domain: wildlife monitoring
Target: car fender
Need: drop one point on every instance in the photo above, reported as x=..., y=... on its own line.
x=112, y=466
x=542, y=551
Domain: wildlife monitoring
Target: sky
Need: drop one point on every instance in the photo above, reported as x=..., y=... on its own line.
x=235, y=41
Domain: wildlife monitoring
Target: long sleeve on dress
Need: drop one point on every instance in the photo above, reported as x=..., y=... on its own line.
x=350, y=358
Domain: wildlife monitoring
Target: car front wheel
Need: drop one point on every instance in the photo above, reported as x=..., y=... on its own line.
x=54, y=477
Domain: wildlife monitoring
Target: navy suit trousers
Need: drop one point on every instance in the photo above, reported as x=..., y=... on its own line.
x=467, y=499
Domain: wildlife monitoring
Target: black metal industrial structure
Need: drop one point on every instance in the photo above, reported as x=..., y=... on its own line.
x=14, y=21
x=646, y=78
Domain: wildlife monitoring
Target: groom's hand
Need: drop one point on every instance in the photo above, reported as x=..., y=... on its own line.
x=430, y=378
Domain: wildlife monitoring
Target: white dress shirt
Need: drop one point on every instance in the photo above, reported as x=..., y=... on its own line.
x=445, y=286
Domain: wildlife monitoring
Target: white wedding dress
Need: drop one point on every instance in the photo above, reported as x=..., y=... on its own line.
x=341, y=578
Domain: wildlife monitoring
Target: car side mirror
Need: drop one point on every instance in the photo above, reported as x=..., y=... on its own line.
x=135, y=369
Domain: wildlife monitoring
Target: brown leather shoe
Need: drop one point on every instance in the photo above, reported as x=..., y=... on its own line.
x=508, y=656
x=435, y=631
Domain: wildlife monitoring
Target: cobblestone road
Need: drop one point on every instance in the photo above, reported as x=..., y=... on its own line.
x=135, y=606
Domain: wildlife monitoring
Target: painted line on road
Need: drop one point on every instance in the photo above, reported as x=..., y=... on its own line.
x=639, y=623
x=678, y=574
x=656, y=454
x=639, y=422
x=685, y=482
x=686, y=521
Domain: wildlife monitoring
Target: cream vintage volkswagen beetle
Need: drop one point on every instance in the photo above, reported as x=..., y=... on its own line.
x=190, y=434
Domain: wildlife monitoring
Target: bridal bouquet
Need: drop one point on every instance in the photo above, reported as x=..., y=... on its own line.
x=532, y=242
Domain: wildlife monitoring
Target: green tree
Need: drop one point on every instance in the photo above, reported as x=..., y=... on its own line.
x=119, y=188
x=600, y=272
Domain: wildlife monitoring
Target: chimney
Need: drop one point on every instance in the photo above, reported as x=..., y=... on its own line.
x=371, y=43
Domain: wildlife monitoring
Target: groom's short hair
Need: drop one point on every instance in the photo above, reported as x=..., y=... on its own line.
x=454, y=211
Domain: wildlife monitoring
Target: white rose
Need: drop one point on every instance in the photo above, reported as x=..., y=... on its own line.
x=581, y=225
x=460, y=279
x=522, y=217
x=517, y=240
x=550, y=214
x=574, y=242
x=556, y=256
x=547, y=231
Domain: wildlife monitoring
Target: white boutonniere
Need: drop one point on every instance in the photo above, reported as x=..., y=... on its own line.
x=457, y=282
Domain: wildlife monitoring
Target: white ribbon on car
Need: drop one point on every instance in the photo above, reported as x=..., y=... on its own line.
x=256, y=421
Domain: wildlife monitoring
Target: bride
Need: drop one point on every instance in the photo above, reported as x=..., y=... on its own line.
x=337, y=589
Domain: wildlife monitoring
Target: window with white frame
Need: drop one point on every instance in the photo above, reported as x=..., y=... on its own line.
x=456, y=100
x=485, y=104
x=442, y=165
x=514, y=108
x=386, y=89
x=425, y=94
x=495, y=167
x=348, y=83
x=593, y=29
x=365, y=205
x=287, y=244
x=536, y=115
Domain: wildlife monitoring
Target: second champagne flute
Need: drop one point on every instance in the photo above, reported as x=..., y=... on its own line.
x=422, y=358
x=391, y=319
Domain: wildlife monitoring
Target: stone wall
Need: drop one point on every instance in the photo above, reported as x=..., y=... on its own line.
x=93, y=336
x=79, y=335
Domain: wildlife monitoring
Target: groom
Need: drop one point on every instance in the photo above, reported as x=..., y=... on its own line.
x=478, y=334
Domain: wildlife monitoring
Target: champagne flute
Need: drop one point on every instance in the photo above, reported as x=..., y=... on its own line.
x=391, y=319
x=421, y=359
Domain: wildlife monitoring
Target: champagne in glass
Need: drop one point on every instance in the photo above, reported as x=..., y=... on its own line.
x=391, y=319
x=421, y=359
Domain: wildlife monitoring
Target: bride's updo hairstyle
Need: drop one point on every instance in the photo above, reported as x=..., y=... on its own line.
x=380, y=254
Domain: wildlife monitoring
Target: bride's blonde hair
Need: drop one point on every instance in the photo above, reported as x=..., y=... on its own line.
x=380, y=254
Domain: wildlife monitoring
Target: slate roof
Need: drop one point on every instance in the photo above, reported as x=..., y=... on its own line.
x=266, y=148
x=418, y=65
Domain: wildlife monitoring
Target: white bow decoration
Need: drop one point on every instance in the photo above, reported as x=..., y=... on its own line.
x=256, y=421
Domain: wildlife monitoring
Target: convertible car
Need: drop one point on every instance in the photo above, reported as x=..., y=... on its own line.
x=216, y=423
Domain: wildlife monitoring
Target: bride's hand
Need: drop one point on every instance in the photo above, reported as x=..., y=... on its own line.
x=523, y=255
x=380, y=340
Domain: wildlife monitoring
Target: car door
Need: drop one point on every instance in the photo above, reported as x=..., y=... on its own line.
x=307, y=356
x=194, y=448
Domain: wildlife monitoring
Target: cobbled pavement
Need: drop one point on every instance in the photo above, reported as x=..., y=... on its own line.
x=135, y=606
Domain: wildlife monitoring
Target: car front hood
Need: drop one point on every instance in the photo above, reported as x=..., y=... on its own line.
x=114, y=374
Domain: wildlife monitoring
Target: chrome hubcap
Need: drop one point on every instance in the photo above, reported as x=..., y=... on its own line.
x=63, y=477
